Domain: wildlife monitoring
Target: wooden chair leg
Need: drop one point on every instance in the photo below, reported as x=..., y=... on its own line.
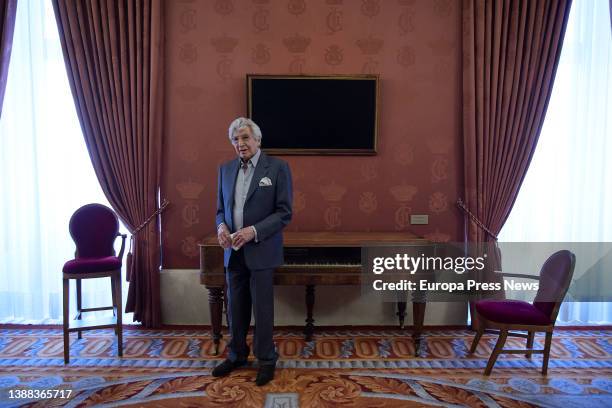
x=503, y=334
x=114, y=296
x=66, y=308
x=116, y=289
x=115, y=303
x=547, y=343
x=79, y=304
x=530, y=336
x=479, y=333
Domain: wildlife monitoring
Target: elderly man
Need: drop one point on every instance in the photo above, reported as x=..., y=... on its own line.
x=253, y=206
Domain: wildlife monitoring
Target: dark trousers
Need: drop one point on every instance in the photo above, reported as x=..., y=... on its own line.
x=247, y=287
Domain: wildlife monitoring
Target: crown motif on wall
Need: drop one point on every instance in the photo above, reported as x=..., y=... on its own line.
x=370, y=45
x=403, y=192
x=224, y=44
x=190, y=190
x=296, y=43
x=333, y=192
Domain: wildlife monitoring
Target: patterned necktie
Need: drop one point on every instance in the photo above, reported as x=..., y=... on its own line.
x=245, y=166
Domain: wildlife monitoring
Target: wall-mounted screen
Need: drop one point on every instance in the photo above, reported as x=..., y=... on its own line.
x=301, y=114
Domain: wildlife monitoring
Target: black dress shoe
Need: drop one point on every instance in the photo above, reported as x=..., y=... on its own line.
x=226, y=367
x=265, y=374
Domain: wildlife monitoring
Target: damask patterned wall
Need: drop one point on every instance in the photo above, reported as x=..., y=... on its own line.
x=415, y=47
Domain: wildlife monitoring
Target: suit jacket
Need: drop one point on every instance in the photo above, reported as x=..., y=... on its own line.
x=268, y=208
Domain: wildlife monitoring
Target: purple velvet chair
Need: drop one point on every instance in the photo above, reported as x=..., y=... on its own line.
x=94, y=228
x=501, y=316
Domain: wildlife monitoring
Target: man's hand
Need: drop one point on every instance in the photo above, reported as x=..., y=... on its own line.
x=243, y=236
x=223, y=235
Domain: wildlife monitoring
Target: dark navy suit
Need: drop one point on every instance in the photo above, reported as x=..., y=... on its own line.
x=250, y=270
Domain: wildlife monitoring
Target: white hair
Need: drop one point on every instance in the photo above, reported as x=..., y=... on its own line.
x=240, y=123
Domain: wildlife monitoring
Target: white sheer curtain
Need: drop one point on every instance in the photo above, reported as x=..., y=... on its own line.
x=567, y=192
x=45, y=175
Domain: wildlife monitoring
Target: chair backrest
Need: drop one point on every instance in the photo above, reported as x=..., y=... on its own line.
x=555, y=278
x=93, y=229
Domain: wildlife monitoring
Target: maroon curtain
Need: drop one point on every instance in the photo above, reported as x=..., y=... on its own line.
x=8, y=11
x=510, y=53
x=114, y=53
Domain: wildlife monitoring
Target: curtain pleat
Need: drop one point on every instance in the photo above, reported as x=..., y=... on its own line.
x=114, y=54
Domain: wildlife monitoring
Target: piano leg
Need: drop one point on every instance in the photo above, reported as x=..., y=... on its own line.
x=310, y=298
x=401, y=313
x=418, y=315
x=215, y=304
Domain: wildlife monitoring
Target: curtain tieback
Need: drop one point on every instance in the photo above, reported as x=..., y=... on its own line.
x=461, y=205
x=128, y=261
x=161, y=208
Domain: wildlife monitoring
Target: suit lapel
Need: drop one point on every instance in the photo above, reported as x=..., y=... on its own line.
x=233, y=171
x=260, y=171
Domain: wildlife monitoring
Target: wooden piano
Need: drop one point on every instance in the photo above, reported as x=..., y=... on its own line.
x=311, y=258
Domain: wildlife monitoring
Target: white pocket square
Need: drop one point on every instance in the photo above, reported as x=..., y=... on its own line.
x=265, y=182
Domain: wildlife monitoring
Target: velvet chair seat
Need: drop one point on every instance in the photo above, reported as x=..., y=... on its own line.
x=511, y=312
x=88, y=265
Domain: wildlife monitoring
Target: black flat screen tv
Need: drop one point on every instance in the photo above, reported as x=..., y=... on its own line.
x=315, y=115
